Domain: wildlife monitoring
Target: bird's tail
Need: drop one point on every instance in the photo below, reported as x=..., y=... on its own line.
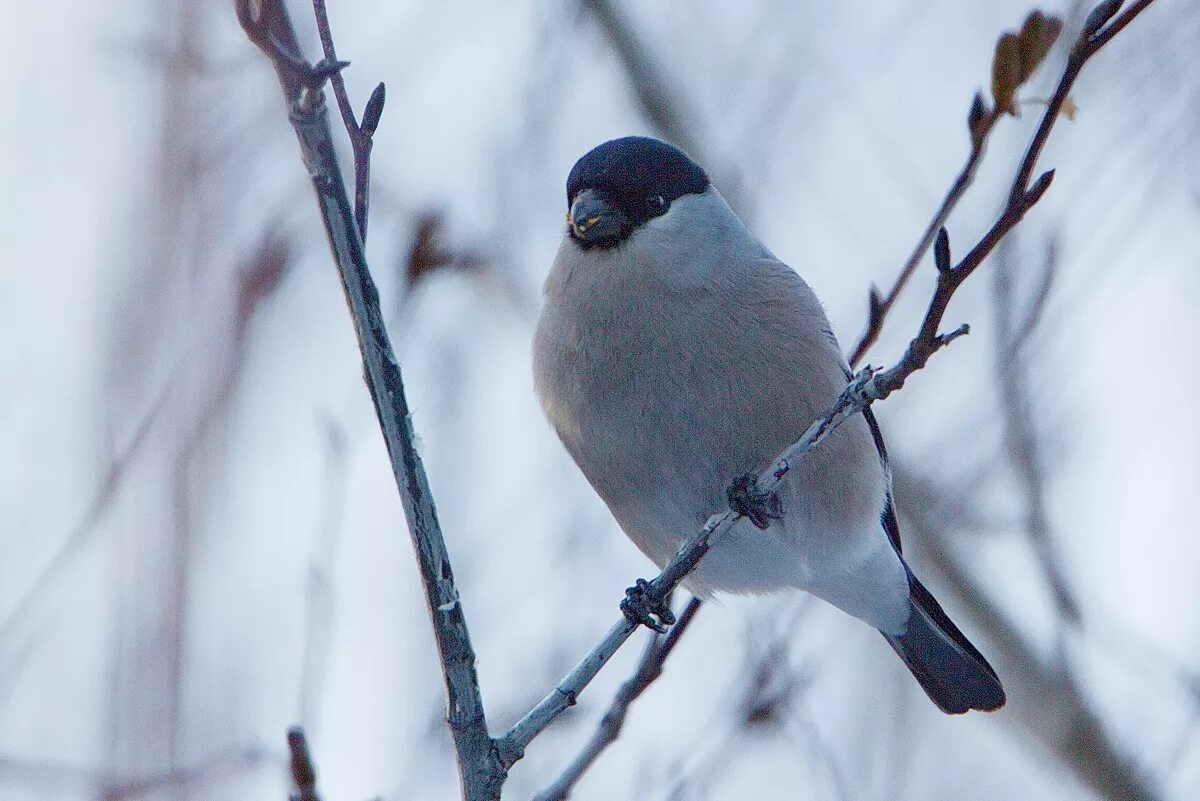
x=950, y=669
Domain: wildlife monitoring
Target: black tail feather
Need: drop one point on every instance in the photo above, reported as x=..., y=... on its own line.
x=950, y=669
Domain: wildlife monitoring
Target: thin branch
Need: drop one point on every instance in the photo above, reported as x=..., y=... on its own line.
x=481, y=773
x=1022, y=196
x=319, y=602
x=183, y=782
x=56, y=778
x=864, y=389
x=658, y=648
x=981, y=125
x=361, y=135
x=662, y=102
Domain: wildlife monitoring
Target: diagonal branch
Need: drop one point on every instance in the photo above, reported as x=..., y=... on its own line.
x=981, y=125
x=96, y=510
x=868, y=386
x=666, y=105
x=362, y=134
x=649, y=668
x=269, y=26
x=1022, y=196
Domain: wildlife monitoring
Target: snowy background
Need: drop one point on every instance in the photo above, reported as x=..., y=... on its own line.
x=200, y=540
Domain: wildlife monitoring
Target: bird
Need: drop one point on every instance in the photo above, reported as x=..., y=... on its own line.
x=675, y=355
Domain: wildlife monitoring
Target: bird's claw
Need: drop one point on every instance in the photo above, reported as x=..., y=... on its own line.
x=760, y=508
x=640, y=605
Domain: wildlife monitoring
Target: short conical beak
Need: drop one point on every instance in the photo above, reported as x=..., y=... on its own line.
x=594, y=220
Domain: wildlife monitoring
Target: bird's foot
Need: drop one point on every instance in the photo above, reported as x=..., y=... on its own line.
x=748, y=501
x=642, y=606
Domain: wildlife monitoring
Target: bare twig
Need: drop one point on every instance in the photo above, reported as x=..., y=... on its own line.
x=319, y=612
x=55, y=778
x=658, y=648
x=1022, y=196
x=481, y=773
x=981, y=123
x=361, y=135
x=864, y=389
x=663, y=103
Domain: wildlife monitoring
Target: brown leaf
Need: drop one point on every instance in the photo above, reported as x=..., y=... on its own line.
x=1038, y=34
x=1018, y=56
x=1069, y=109
x=1006, y=73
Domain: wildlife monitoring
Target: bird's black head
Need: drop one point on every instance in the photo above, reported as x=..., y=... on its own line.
x=621, y=184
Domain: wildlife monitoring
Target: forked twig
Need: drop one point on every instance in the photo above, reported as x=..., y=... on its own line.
x=362, y=135
x=981, y=121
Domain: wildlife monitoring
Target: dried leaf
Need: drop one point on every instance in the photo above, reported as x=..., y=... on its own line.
x=1038, y=34
x=1018, y=56
x=1006, y=73
x=1069, y=109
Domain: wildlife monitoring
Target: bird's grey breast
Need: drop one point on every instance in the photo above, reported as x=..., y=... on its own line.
x=617, y=361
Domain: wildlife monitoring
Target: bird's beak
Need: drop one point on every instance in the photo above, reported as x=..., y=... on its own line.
x=594, y=220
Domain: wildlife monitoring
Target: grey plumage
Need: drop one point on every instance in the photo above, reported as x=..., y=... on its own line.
x=674, y=354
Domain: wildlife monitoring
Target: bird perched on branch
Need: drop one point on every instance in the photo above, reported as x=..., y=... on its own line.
x=674, y=356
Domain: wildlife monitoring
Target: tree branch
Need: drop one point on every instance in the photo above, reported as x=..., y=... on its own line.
x=658, y=648
x=981, y=121
x=268, y=26
x=981, y=125
x=361, y=136
x=864, y=389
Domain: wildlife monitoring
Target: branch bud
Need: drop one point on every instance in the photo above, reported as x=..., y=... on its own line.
x=373, y=111
x=1035, y=192
x=1098, y=16
x=977, y=120
x=941, y=251
x=874, y=307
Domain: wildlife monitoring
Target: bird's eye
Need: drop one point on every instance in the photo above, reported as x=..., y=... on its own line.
x=656, y=205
